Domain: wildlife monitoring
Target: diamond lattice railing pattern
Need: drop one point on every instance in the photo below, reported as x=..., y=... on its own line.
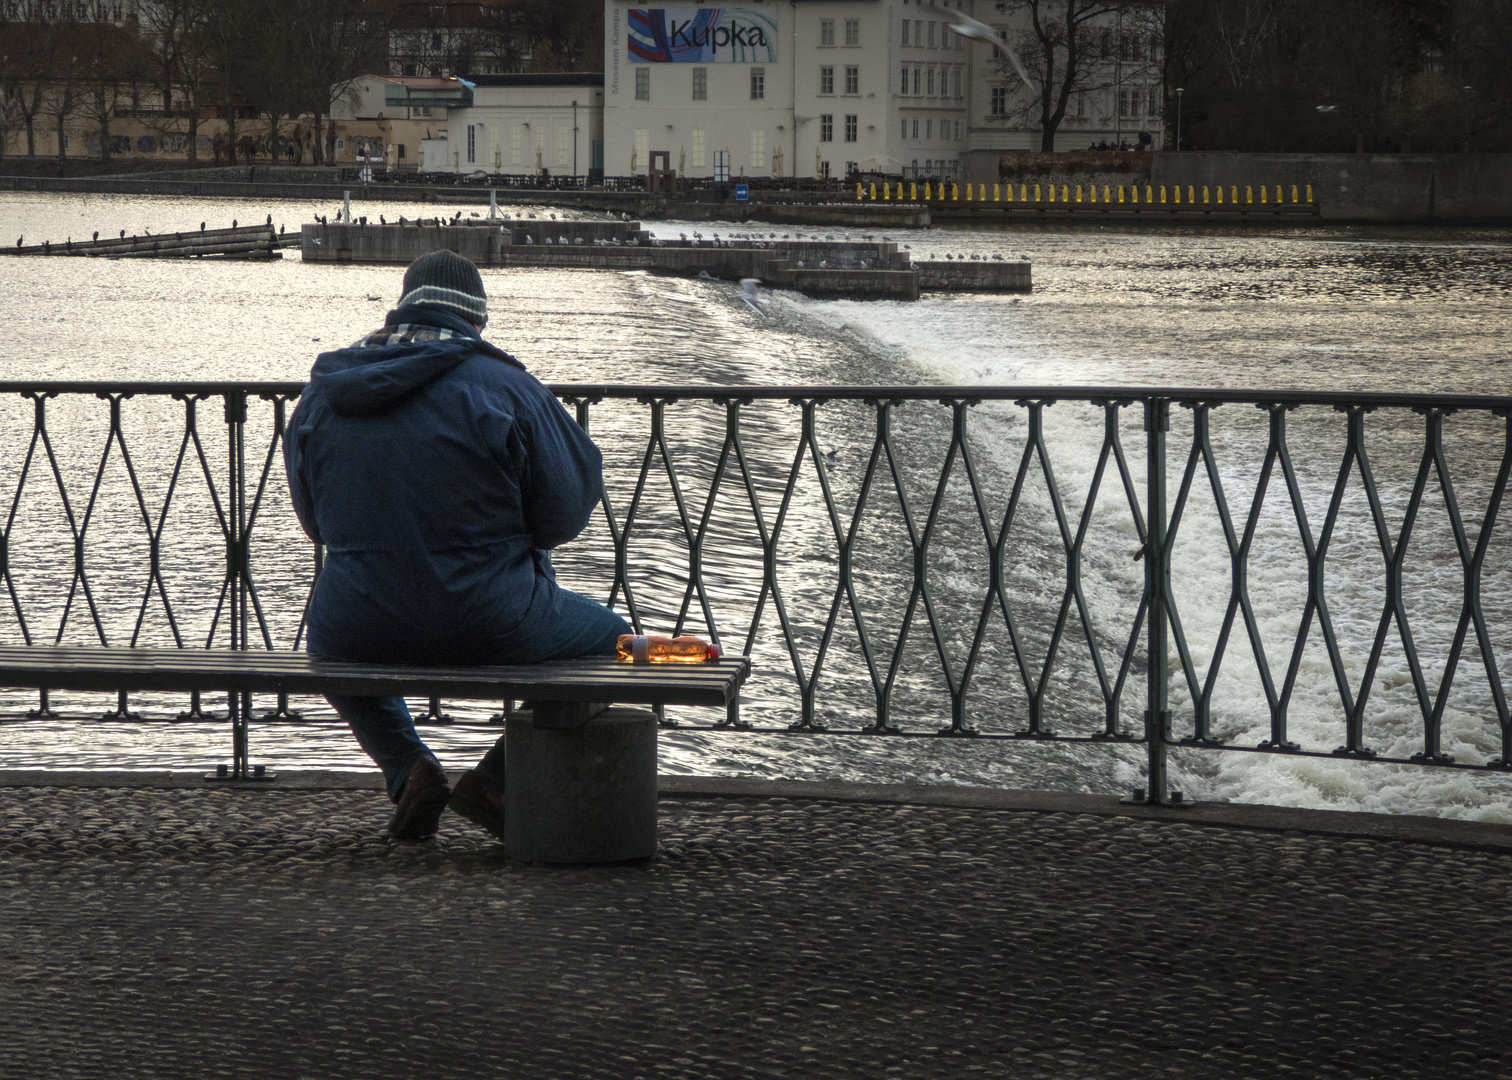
x=989, y=562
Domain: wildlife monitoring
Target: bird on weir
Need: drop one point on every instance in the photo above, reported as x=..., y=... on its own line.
x=123, y=234
x=270, y=220
x=233, y=223
x=97, y=234
x=202, y=226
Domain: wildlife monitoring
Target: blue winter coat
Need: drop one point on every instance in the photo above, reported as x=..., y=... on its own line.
x=437, y=473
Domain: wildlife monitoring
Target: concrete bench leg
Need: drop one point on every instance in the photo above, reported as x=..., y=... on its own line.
x=580, y=794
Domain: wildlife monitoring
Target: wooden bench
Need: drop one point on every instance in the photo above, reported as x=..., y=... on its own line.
x=579, y=789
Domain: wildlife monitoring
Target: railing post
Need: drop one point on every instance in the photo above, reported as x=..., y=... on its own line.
x=1157, y=582
x=240, y=701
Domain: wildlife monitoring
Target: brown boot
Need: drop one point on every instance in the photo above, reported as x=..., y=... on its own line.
x=480, y=799
x=417, y=815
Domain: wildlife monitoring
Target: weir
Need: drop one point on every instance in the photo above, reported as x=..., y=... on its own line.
x=893, y=584
x=864, y=269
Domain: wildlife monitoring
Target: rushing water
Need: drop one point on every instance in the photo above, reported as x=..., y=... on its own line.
x=1366, y=309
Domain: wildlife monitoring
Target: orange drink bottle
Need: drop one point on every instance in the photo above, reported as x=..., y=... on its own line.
x=655, y=649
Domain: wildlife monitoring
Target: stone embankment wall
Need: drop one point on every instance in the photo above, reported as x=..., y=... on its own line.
x=1388, y=188
x=1384, y=188
x=1103, y=168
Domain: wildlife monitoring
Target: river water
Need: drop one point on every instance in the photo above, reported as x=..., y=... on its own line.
x=1307, y=308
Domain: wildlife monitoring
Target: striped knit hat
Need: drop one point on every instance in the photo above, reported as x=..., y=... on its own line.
x=444, y=279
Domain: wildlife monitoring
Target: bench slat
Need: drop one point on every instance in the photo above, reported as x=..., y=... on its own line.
x=110, y=668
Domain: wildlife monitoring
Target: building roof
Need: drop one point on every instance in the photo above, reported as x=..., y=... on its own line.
x=418, y=82
x=551, y=78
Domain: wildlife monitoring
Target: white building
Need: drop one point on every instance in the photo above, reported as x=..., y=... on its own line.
x=772, y=89
x=831, y=87
x=518, y=124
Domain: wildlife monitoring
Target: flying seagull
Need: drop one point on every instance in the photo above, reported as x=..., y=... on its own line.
x=748, y=293
x=966, y=26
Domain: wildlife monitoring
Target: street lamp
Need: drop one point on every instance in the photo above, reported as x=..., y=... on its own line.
x=1179, y=91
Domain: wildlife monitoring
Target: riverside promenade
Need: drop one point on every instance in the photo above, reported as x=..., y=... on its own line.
x=161, y=926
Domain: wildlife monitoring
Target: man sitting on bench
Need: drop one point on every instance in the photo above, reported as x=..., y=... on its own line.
x=439, y=473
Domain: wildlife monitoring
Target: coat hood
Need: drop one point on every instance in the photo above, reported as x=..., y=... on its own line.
x=366, y=379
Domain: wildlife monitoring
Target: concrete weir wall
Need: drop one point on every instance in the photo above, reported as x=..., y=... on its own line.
x=941, y=276
x=868, y=269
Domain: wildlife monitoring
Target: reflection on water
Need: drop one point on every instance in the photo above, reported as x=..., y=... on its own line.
x=1374, y=309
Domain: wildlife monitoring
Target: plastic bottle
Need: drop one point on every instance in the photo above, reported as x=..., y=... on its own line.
x=656, y=649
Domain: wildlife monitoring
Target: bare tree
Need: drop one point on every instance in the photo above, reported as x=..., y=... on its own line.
x=28, y=49
x=334, y=42
x=177, y=33
x=1067, y=49
x=111, y=73
x=1482, y=35
x=569, y=34
x=60, y=97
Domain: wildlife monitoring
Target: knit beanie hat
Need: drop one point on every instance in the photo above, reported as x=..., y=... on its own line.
x=444, y=279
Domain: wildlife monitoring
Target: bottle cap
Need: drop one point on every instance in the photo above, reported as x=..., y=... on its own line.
x=715, y=652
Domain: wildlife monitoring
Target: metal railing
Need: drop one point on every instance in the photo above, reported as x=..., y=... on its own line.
x=937, y=561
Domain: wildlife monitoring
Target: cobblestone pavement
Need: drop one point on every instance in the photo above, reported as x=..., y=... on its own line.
x=195, y=933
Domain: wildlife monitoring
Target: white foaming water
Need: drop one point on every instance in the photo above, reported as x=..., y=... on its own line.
x=1153, y=324
x=1375, y=309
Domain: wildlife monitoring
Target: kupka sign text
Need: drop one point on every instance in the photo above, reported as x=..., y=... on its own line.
x=700, y=36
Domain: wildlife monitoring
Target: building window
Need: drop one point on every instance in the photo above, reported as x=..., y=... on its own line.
x=958, y=82
x=826, y=31
x=919, y=33
x=826, y=127
x=907, y=25
x=853, y=31
x=1002, y=36
x=699, y=148
x=904, y=89
x=1152, y=105
x=1081, y=106
x=700, y=84
x=758, y=84
x=472, y=144
x=758, y=148
x=852, y=168
x=929, y=128
x=916, y=127
x=826, y=80
x=929, y=82
x=999, y=101
x=852, y=80
x=641, y=156
x=905, y=127
x=514, y=145
x=917, y=87
x=851, y=126
x=824, y=169
x=958, y=129
x=564, y=147
x=931, y=35
x=642, y=84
